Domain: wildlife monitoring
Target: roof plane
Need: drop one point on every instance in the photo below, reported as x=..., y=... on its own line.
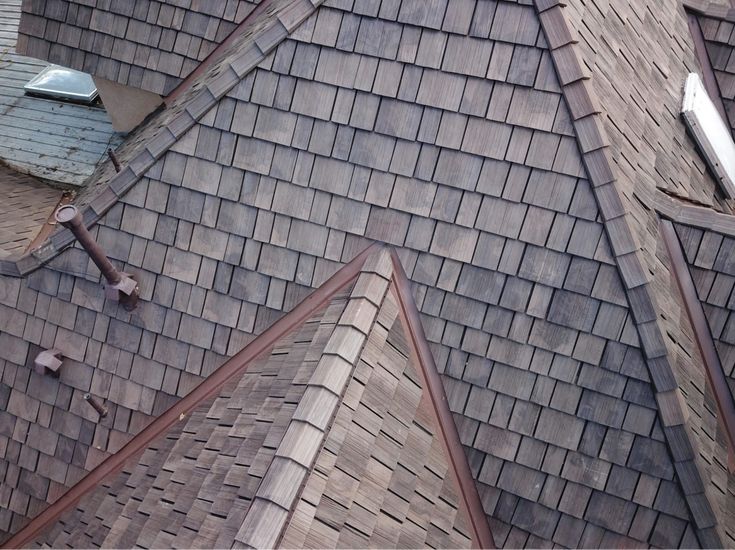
x=330, y=437
x=537, y=285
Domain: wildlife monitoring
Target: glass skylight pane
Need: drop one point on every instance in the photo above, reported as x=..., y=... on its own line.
x=62, y=83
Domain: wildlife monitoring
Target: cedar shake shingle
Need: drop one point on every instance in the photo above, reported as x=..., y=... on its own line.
x=324, y=144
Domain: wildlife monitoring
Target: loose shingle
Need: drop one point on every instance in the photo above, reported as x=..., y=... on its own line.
x=254, y=155
x=535, y=518
x=431, y=49
x=428, y=13
x=378, y=38
x=457, y=169
x=413, y=196
x=602, y=409
x=468, y=56
x=486, y=138
x=533, y=109
x=573, y=310
x=610, y=512
x=501, y=217
x=650, y=457
x=497, y=442
x=399, y=119
x=313, y=99
x=521, y=481
x=544, y=266
x=372, y=150
x=516, y=24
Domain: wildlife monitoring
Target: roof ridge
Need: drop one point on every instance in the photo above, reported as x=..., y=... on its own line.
x=576, y=85
x=284, y=480
x=249, y=48
x=221, y=50
x=382, y=272
x=237, y=364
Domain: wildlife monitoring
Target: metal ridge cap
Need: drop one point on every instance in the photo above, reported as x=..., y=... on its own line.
x=448, y=430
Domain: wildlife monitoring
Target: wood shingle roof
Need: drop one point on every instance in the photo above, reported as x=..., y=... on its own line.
x=330, y=438
x=56, y=141
x=536, y=283
x=149, y=44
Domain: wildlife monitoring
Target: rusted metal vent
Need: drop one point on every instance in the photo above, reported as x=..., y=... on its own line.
x=121, y=287
x=96, y=405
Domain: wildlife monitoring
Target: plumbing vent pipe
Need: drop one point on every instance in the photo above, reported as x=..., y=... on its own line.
x=120, y=286
x=96, y=405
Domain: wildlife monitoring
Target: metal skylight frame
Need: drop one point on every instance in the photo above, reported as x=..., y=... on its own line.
x=711, y=133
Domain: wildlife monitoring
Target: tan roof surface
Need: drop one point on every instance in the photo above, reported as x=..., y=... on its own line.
x=383, y=479
x=25, y=207
x=193, y=487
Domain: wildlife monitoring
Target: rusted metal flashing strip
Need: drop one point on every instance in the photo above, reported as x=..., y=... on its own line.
x=237, y=364
x=450, y=437
x=702, y=334
x=679, y=211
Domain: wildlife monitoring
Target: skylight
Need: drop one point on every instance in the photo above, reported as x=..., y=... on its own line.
x=710, y=132
x=61, y=83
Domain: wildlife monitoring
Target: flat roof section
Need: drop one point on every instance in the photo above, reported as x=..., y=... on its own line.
x=56, y=141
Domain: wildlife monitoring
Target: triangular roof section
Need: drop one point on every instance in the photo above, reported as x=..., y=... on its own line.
x=331, y=429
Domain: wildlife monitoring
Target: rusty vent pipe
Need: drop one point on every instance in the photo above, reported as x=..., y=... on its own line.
x=120, y=286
